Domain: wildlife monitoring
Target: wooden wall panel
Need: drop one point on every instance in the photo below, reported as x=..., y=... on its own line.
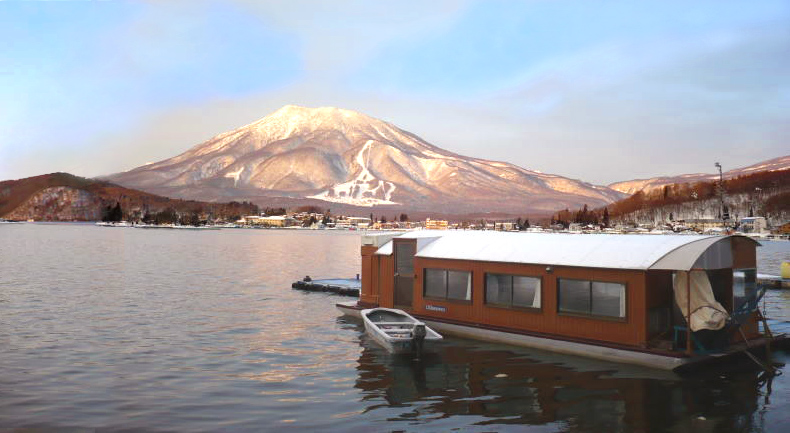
x=744, y=253
x=386, y=280
x=368, y=294
x=631, y=330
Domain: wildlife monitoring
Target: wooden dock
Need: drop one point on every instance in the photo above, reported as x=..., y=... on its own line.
x=340, y=286
x=773, y=281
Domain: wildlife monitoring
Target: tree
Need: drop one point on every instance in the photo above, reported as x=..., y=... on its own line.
x=167, y=216
x=274, y=211
x=526, y=223
x=403, y=217
x=309, y=221
x=112, y=213
x=605, y=218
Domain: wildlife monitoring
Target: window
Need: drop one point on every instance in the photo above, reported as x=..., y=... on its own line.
x=591, y=297
x=744, y=282
x=443, y=283
x=744, y=285
x=512, y=291
x=404, y=258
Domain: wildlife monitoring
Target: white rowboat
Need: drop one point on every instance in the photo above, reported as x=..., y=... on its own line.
x=397, y=331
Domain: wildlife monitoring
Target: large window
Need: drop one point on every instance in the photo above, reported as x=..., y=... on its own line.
x=512, y=291
x=447, y=284
x=591, y=297
x=744, y=282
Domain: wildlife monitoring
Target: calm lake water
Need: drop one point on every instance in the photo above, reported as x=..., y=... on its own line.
x=165, y=330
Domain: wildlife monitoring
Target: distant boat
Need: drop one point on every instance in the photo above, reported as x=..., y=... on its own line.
x=397, y=331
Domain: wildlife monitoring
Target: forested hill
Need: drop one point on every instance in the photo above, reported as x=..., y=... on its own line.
x=760, y=194
x=65, y=197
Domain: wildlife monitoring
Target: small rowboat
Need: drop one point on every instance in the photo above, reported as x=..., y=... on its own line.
x=397, y=331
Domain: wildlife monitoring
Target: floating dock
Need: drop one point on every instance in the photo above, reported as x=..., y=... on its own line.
x=340, y=286
x=773, y=281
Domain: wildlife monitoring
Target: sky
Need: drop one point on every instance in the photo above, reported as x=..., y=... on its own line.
x=602, y=91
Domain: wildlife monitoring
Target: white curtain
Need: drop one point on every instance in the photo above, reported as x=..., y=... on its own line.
x=707, y=313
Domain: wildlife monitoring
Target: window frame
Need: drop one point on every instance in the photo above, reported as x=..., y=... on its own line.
x=590, y=315
x=445, y=298
x=512, y=306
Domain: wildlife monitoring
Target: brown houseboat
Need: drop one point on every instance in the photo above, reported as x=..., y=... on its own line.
x=624, y=298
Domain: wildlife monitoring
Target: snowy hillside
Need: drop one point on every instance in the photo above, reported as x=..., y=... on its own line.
x=343, y=156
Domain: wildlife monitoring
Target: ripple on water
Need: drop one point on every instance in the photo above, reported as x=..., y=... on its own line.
x=174, y=331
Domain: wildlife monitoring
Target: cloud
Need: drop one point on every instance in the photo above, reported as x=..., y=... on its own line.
x=337, y=37
x=623, y=105
x=666, y=113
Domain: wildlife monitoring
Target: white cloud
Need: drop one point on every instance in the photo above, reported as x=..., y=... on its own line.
x=337, y=37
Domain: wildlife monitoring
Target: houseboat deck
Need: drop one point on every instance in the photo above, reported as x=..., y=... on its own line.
x=674, y=360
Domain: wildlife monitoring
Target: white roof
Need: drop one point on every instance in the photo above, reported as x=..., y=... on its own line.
x=610, y=251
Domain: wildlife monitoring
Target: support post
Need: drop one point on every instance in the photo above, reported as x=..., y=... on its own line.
x=689, y=346
x=369, y=293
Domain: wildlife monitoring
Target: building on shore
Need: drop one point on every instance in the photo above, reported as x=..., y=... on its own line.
x=753, y=225
x=435, y=224
x=702, y=224
x=267, y=221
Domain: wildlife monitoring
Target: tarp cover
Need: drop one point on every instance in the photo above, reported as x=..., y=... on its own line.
x=707, y=313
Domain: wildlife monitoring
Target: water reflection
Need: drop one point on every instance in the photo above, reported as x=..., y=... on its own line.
x=121, y=329
x=501, y=387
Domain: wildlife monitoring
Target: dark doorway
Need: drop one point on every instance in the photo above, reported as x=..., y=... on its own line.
x=404, y=274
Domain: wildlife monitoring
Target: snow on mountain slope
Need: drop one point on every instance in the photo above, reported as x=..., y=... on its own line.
x=358, y=191
x=632, y=186
x=343, y=156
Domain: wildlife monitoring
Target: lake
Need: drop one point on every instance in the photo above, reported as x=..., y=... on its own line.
x=173, y=330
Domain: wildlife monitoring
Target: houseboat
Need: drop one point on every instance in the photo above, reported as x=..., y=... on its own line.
x=623, y=298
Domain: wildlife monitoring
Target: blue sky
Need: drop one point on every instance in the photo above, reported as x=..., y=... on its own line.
x=597, y=90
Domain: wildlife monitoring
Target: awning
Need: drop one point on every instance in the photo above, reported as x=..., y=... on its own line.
x=705, y=253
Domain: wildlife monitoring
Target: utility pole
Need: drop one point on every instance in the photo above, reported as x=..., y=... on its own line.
x=724, y=215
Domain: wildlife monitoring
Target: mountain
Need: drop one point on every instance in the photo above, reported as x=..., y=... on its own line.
x=320, y=155
x=65, y=197
x=632, y=186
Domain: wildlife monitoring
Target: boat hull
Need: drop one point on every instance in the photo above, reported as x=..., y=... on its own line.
x=659, y=361
x=396, y=336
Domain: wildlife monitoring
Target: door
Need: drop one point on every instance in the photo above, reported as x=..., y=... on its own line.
x=404, y=274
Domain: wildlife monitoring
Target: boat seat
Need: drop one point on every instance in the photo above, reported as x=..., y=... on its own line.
x=397, y=333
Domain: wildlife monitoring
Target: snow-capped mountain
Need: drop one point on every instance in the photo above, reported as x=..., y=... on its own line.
x=343, y=156
x=632, y=186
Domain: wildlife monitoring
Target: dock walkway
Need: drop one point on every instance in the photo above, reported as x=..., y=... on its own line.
x=340, y=286
x=773, y=281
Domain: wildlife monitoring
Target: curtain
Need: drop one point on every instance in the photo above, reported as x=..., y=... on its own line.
x=707, y=313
